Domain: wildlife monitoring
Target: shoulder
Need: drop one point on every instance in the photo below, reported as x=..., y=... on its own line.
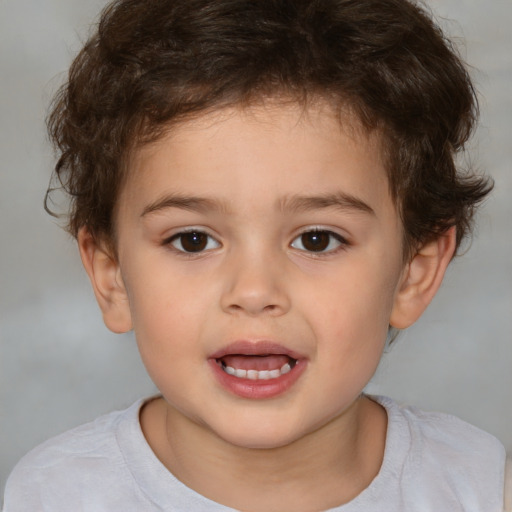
x=446, y=436
x=443, y=454
x=83, y=442
x=68, y=465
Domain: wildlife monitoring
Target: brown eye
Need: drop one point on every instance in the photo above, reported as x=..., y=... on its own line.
x=318, y=241
x=193, y=241
x=315, y=241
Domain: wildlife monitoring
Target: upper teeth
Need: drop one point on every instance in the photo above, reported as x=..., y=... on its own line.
x=257, y=375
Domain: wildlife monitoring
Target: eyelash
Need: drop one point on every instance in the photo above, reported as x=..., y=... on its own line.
x=203, y=240
x=332, y=237
x=179, y=238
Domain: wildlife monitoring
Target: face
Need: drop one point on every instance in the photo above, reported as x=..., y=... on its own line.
x=261, y=256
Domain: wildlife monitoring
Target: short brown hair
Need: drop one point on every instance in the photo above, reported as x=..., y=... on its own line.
x=151, y=63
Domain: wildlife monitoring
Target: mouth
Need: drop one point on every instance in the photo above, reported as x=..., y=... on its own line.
x=257, y=369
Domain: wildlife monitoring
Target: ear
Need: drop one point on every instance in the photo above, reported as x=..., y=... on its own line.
x=421, y=279
x=107, y=282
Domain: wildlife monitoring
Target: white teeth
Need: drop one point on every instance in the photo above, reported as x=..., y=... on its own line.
x=253, y=374
x=257, y=375
x=285, y=368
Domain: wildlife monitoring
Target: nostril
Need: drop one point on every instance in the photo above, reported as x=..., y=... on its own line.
x=254, y=294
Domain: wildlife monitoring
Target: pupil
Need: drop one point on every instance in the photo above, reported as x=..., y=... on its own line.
x=193, y=242
x=315, y=241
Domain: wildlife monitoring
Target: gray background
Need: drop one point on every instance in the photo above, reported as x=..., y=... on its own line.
x=61, y=367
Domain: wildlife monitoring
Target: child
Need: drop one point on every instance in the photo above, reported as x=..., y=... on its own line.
x=264, y=192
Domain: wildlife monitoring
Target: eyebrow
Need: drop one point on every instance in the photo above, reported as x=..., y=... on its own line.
x=339, y=200
x=297, y=203
x=192, y=203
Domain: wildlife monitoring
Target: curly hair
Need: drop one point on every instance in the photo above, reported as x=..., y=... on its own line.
x=152, y=63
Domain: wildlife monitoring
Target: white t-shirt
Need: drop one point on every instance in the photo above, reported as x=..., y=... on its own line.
x=432, y=463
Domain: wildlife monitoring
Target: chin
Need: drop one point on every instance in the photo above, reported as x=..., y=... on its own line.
x=264, y=436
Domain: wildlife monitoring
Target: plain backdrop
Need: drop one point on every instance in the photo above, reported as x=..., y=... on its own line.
x=60, y=367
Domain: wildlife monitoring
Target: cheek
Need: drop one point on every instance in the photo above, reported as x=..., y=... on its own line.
x=351, y=317
x=357, y=301
x=167, y=337
x=160, y=314
x=159, y=291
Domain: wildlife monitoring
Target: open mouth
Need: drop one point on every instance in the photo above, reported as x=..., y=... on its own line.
x=256, y=367
x=257, y=370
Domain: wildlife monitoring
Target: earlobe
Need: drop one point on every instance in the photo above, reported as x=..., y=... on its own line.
x=421, y=279
x=105, y=275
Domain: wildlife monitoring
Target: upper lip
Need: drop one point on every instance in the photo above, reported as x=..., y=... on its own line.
x=255, y=348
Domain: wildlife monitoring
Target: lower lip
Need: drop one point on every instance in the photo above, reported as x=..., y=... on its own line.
x=258, y=389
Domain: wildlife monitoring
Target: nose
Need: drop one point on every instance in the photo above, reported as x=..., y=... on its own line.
x=255, y=285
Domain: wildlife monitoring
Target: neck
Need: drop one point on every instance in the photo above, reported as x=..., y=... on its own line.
x=321, y=470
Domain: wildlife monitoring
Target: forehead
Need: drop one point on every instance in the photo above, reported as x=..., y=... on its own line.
x=265, y=154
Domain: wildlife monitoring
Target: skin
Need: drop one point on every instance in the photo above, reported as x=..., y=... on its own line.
x=321, y=442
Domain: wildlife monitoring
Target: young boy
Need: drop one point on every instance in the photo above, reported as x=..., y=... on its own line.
x=264, y=192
